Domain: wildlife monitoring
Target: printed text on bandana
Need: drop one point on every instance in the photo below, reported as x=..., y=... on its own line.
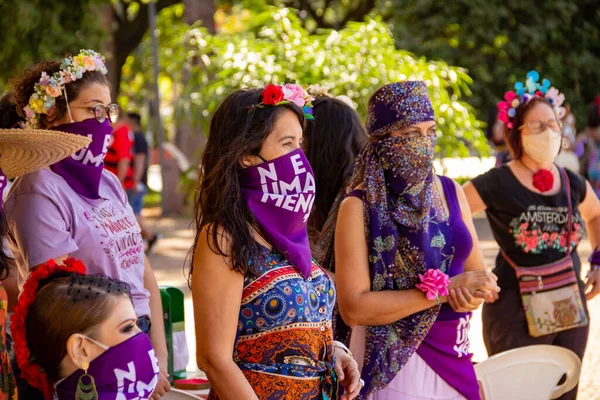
x=296, y=196
x=129, y=383
x=87, y=157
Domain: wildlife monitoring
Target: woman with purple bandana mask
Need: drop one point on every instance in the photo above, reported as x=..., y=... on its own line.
x=262, y=306
x=80, y=208
x=408, y=289
x=95, y=350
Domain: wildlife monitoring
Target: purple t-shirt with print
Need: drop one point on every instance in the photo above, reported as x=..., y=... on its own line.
x=46, y=219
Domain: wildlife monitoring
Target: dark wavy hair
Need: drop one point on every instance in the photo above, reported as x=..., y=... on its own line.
x=331, y=143
x=237, y=129
x=24, y=85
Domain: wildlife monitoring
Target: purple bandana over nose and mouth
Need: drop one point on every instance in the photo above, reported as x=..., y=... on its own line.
x=83, y=169
x=280, y=193
x=127, y=371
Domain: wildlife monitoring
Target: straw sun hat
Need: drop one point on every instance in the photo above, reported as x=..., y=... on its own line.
x=27, y=150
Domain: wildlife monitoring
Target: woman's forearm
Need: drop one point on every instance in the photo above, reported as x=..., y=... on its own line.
x=593, y=229
x=227, y=380
x=384, y=307
x=157, y=328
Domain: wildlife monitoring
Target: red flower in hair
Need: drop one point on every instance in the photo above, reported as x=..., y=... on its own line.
x=30, y=369
x=543, y=180
x=272, y=95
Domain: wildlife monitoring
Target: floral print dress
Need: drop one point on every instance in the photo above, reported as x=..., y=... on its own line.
x=284, y=343
x=8, y=387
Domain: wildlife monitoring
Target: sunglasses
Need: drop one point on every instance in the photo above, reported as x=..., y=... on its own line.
x=102, y=112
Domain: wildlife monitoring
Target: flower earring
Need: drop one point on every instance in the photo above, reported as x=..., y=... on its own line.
x=86, y=386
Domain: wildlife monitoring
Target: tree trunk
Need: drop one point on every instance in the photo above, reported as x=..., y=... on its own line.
x=200, y=10
x=190, y=139
x=127, y=35
x=108, y=49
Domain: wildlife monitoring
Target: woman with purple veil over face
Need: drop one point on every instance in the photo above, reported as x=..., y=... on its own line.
x=262, y=305
x=409, y=268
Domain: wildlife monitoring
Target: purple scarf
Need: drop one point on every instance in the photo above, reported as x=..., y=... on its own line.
x=126, y=371
x=280, y=194
x=396, y=174
x=83, y=169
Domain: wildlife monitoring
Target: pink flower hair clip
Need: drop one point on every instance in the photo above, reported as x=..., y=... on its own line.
x=275, y=95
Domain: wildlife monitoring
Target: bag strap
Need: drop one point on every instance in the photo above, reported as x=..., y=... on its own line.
x=567, y=183
x=565, y=176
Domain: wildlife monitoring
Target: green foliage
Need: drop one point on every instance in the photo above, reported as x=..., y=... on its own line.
x=353, y=61
x=498, y=41
x=34, y=30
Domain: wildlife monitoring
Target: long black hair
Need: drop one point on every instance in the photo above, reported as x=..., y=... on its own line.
x=9, y=119
x=331, y=143
x=237, y=129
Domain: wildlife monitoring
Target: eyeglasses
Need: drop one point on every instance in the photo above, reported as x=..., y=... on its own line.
x=101, y=112
x=540, y=126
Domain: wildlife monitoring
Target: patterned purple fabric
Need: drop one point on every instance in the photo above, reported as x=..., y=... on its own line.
x=398, y=105
x=402, y=227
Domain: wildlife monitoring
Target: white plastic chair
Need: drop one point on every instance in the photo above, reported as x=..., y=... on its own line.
x=529, y=373
x=176, y=394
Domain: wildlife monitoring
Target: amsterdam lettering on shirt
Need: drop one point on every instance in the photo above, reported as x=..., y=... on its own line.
x=530, y=227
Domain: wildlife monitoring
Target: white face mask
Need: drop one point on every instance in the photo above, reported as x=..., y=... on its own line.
x=542, y=147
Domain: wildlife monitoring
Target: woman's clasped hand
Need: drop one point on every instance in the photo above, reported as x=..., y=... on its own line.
x=470, y=289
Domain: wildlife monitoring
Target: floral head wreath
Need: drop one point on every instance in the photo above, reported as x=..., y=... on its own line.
x=276, y=95
x=524, y=92
x=49, y=88
x=30, y=369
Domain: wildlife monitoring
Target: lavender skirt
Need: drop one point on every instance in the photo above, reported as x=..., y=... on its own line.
x=415, y=381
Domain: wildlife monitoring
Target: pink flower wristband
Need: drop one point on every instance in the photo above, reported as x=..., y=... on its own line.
x=434, y=283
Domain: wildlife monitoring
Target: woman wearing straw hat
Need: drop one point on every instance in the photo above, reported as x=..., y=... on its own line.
x=21, y=152
x=81, y=210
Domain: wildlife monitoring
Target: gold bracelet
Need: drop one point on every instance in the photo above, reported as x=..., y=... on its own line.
x=343, y=347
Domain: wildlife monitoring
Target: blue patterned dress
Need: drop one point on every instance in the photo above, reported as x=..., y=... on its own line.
x=284, y=342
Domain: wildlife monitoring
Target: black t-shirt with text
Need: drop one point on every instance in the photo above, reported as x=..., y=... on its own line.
x=530, y=227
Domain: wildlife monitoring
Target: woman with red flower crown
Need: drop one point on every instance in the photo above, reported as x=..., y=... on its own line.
x=262, y=305
x=536, y=211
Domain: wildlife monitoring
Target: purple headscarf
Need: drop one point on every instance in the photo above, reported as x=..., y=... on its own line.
x=397, y=172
